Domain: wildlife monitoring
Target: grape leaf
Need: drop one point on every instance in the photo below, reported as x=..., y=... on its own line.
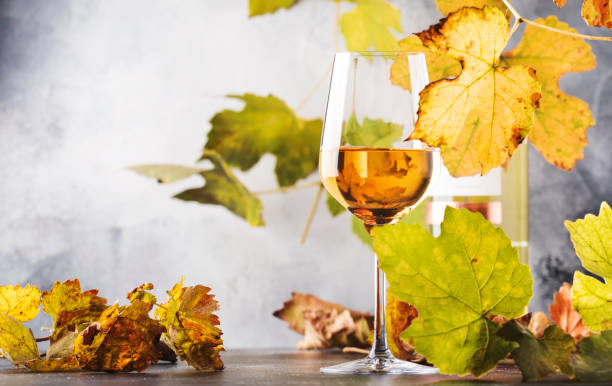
x=63, y=347
x=369, y=24
x=266, y=125
x=559, y=130
x=592, y=238
x=71, y=308
x=592, y=362
x=16, y=342
x=221, y=187
x=142, y=293
x=373, y=132
x=52, y=365
x=327, y=329
x=455, y=282
x=479, y=118
x=123, y=339
x=293, y=310
x=450, y=6
x=438, y=66
x=165, y=174
x=539, y=357
x=192, y=326
x=596, y=13
x=260, y=7
x=560, y=3
x=20, y=302
x=538, y=324
x=334, y=206
x=399, y=316
x=565, y=316
x=360, y=231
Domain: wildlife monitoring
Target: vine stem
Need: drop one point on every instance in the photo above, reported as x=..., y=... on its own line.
x=44, y=338
x=520, y=19
x=313, y=209
x=314, y=88
x=287, y=188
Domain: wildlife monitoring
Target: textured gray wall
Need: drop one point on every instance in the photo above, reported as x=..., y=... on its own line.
x=89, y=87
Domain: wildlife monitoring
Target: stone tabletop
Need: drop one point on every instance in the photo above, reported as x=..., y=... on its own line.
x=250, y=367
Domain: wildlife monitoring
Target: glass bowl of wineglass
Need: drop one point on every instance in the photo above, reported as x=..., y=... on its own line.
x=366, y=164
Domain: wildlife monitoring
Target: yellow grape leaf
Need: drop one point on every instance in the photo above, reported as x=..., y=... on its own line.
x=592, y=239
x=559, y=130
x=17, y=343
x=123, y=339
x=20, y=302
x=266, y=125
x=438, y=66
x=71, y=308
x=260, y=7
x=597, y=13
x=192, y=326
x=142, y=293
x=52, y=365
x=450, y=6
x=479, y=118
x=369, y=24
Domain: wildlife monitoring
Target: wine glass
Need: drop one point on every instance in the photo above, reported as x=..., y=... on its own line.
x=366, y=165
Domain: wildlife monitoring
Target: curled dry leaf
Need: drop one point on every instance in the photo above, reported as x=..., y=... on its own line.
x=123, y=339
x=479, y=118
x=142, y=293
x=71, y=308
x=538, y=324
x=192, y=326
x=565, y=316
x=399, y=316
x=20, y=302
x=327, y=329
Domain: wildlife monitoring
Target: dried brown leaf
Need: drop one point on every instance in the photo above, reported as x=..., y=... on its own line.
x=565, y=316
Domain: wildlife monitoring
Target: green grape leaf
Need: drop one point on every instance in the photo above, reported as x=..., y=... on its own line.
x=266, y=125
x=334, y=206
x=455, y=281
x=373, y=132
x=261, y=7
x=16, y=342
x=360, y=231
x=223, y=188
x=561, y=122
x=592, y=239
x=369, y=24
x=539, y=357
x=592, y=361
x=479, y=118
x=165, y=174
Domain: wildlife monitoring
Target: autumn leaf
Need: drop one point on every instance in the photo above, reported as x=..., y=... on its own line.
x=559, y=130
x=592, y=361
x=17, y=343
x=455, y=282
x=450, y=6
x=369, y=24
x=372, y=133
x=266, y=125
x=123, y=339
x=539, y=357
x=221, y=186
x=192, y=326
x=20, y=302
x=327, y=329
x=71, y=308
x=260, y=7
x=564, y=315
x=293, y=310
x=142, y=293
x=399, y=316
x=438, y=66
x=334, y=206
x=479, y=118
x=52, y=365
x=596, y=13
x=560, y=3
x=592, y=238
x=538, y=324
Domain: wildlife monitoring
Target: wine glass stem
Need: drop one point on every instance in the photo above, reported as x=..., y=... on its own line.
x=379, y=346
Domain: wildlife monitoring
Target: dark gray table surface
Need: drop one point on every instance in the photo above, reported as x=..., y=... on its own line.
x=252, y=367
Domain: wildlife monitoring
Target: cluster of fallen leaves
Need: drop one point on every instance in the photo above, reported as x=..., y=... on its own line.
x=89, y=334
x=462, y=307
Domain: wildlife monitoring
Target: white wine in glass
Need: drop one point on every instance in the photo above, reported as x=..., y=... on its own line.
x=371, y=171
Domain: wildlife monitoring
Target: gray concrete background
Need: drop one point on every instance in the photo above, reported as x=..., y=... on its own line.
x=89, y=87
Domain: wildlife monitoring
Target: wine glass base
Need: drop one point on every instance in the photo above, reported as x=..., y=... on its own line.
x=379, y=365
